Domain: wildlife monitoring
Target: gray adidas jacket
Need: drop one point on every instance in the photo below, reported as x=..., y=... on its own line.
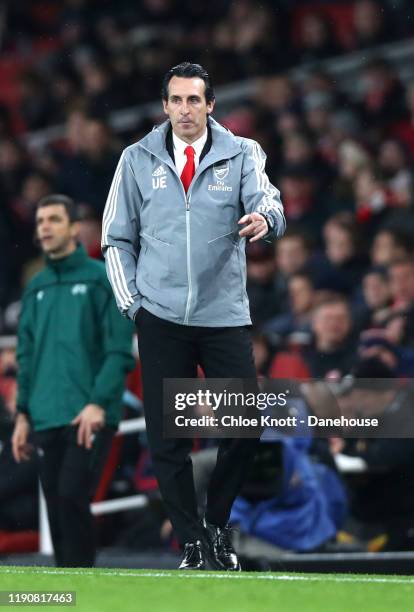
x=180, y=255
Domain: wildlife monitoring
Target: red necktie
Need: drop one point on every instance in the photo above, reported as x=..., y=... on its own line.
x=189, y=168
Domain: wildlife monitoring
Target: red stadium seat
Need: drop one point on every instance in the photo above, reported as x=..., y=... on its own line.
x=19, y=541
x=289, y=365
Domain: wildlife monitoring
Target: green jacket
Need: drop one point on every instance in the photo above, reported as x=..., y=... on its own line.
x=74, y=348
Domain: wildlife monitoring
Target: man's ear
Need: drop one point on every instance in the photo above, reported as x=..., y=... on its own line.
x=164, y=105
x=210, y=106
x=75, y=229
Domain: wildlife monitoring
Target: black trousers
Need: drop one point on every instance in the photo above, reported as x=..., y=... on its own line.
x=168, y=350
x=69, y=474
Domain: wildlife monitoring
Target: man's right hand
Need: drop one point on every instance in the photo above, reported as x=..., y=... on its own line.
x=20, y=448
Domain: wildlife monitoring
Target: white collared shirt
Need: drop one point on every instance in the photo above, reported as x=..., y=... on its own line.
x=179, y=147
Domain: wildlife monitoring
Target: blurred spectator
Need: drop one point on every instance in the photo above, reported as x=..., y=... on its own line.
x=253, y=34
x=8, y=371
x=100, y=90
x=35, y=104
x=373, y=199
x=35, y=186
x=261, y=289
x=276, y=95
x=398, y=359
x=262, y=353
x=318, y=116
x=287, y=122
x=6, y=265
x=394, y=167
x=293, y=252
x=343, y=264
x=404, y=130
x=381, y=499
x=332, y=352
x=90, y=231
x=14, y=165
x=322, y=83
x=299, y=154
x=18, y=485
x=86, y=174
x=76, y=126
x=389, y=245
x=299, y=189
x=376, y=296
x=317, y=39
x=401, y=279
x=297, y=320
x=351, y=158
x=371, y=27
x=399, y=329
x=382, y=101
x=241, y=121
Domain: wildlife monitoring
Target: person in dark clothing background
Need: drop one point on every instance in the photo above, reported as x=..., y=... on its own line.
x=382, y=497
x=332, y=351
x=18, y=483
x=73, y=352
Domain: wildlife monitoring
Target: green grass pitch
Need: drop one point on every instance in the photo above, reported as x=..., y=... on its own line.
x=110, y=590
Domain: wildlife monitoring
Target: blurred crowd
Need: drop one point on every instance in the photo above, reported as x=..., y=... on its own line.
x=108, y=54
x=339, y=286
x=76, y=61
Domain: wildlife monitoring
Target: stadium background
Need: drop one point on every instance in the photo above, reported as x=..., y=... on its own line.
x=327, y=88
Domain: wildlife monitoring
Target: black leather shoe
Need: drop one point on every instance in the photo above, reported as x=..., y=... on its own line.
x=222, y=548
x=193, y=557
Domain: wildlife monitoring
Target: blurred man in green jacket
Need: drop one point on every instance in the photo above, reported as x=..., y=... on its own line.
x=74, y=350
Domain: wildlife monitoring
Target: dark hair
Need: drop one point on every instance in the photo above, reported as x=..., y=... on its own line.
x=333, y=301
x=188, y=71
x=346, y=222
x=379, y=271
x=402, y=261
x=303, y=275
x=58, y=198
x=297, y=233
x=401, y=237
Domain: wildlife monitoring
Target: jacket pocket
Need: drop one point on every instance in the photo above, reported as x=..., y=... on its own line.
x=155, y=239
x=230, y=235
x=153, y=263
x=224, y=284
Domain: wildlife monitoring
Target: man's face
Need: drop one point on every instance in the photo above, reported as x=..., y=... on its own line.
x=300, y=294
x=339, y=246
x=187, y=107
x=56, y=234
x=331, y=324
x=291, y=255
x=376, y=290
x=402, y=282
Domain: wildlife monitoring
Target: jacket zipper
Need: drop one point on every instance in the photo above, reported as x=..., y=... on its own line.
x=190, y=286
x=187, y=226
x=57, y=342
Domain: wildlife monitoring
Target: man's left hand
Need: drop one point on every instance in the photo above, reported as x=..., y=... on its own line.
x=257, y=226
x=89, y=420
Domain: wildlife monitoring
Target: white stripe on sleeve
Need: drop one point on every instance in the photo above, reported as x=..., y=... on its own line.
x=123, y=298
x=111, y=202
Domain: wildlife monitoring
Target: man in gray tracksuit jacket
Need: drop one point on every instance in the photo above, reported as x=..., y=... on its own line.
x=175, y=257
